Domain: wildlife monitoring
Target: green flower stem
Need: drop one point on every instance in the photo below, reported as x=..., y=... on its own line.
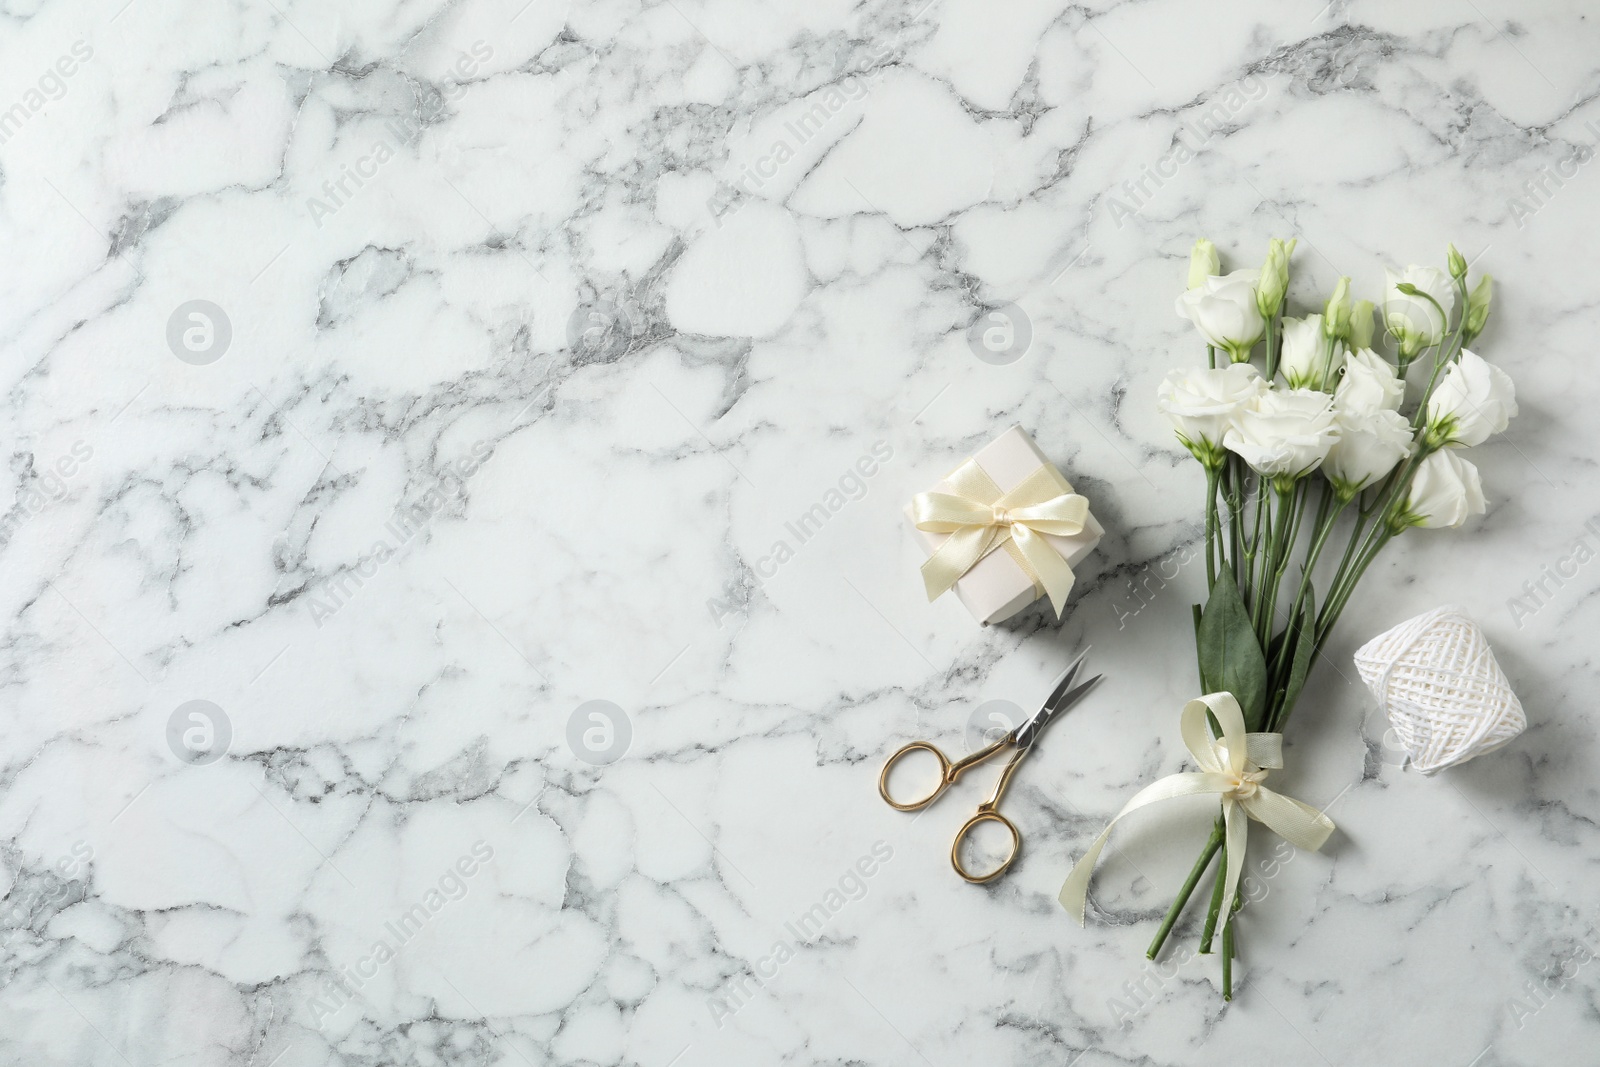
x=1302, y=494
x=1272, y=352
x=1235, y=495
x=1329, y=347
x=1420, y=416
x=1344, y=561
x=1277, y=548
x=1350, y=571
x=1256, y=551
x=1366, y=540
x=1330, y=614
x=1195, y=610
x=1448, y=353
x=1378, y=507
x=1464, y=298
x=1329, y=507
x=1215, y=910
x=1228, y=953
x=1335, y=606
x=1213, y=549
x=1213, y=843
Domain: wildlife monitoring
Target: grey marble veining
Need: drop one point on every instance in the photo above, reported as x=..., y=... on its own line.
x=388, y=384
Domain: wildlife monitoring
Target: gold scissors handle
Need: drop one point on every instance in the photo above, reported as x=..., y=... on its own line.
x=985, y=814
x=948, y=772
x=988, y=811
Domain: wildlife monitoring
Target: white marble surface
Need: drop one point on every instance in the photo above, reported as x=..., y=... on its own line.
x=401, y=207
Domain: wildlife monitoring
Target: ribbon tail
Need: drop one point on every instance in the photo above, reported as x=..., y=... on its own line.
x=955, y=558
x=1074, y=895
x=1049, y=569
x=1295, y=821
x=1238, y=836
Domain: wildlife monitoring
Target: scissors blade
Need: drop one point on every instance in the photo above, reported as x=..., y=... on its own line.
x=1061, y=698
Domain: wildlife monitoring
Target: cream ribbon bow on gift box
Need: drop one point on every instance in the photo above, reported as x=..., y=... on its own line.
x=1233, y=768
x=980, y=519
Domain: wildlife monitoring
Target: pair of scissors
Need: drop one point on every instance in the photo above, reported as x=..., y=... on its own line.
x=1022, y=738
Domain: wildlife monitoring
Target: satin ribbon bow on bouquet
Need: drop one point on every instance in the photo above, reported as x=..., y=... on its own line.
x=980, y=518
x=1232, y=768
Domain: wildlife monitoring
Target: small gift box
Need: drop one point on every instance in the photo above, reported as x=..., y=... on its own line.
x=1003, y=529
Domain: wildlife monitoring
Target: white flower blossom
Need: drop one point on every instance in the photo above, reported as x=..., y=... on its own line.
x=1224, y=310
x=1445, y=490
x=1475, y=400
x=1369, y=445
x=1417, y=321
x=1284, y=433
x=1369, y=384
x=1201, y=404
x=1304, y=361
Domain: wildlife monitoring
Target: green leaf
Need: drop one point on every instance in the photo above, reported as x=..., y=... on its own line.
x=1230, y=656
x=1300, y=666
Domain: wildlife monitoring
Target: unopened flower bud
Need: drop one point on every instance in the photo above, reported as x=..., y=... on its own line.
x=1458, y=264
x=1336, y=315
x=1203, y=263
x=1361, y=325
x=1477, y=308
x=1274, y=278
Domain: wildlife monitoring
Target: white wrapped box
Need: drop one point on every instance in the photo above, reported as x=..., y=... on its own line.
x=996, y=587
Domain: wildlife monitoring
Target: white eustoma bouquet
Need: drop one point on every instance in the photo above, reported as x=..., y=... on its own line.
x=1301, y=427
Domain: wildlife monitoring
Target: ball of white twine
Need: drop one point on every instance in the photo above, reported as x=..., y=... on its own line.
x=1437, y=680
